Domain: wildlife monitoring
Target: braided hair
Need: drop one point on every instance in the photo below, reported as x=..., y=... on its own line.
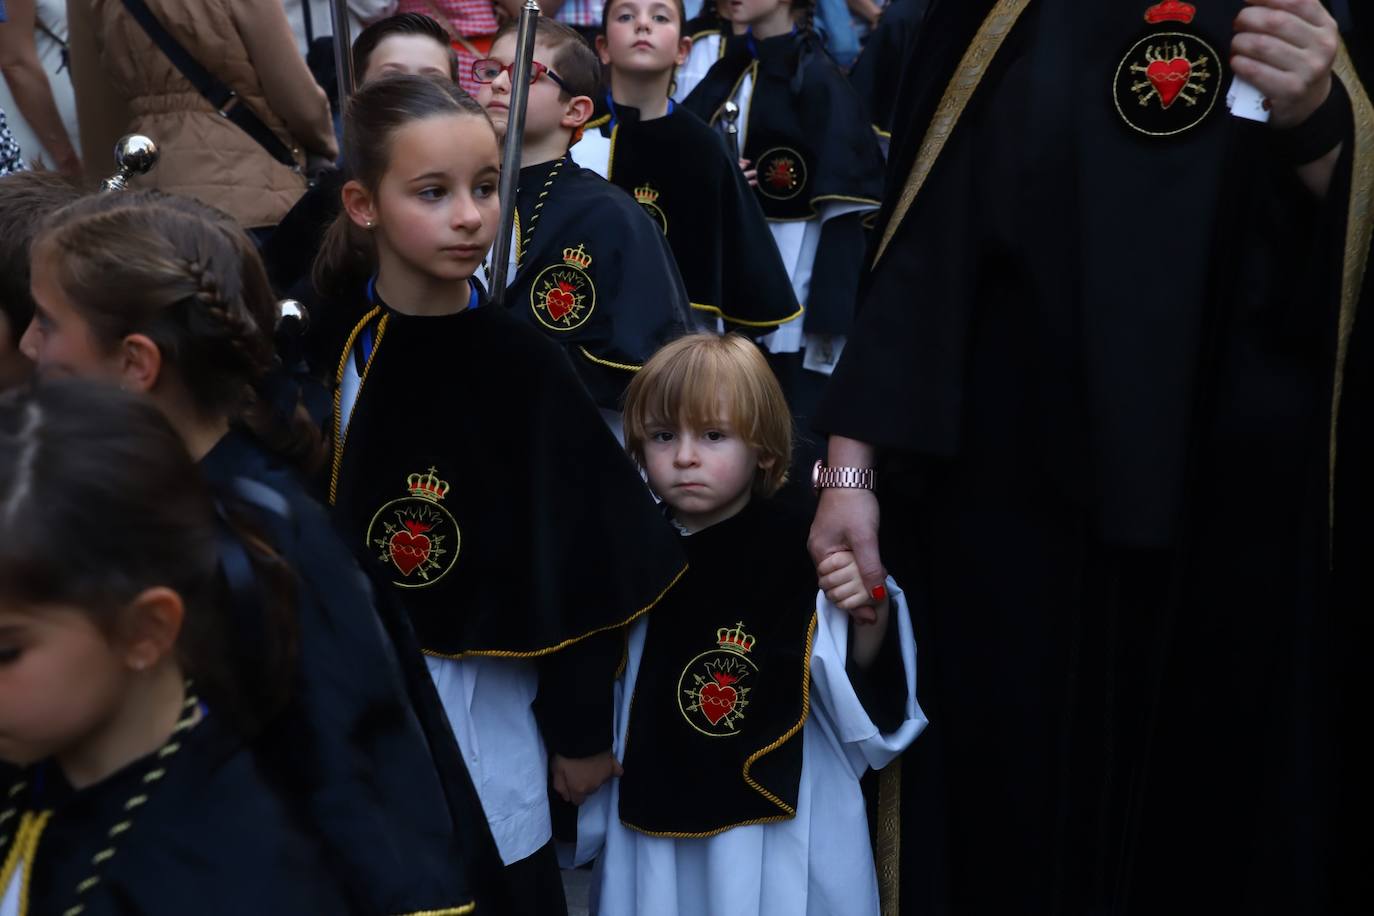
x=185, y=276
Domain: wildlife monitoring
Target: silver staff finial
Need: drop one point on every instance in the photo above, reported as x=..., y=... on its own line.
x=135, y=155
x=289, y=313
x=730, y=115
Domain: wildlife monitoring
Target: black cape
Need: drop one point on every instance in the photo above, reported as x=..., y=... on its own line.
x=876, y=71
x=1160, y=402
x=714, y=738
x=518, y=547
x=680, y=172
x=349, y=750
x=807, y=132
x=593, y=276
x=213, y=836
x=811, y=142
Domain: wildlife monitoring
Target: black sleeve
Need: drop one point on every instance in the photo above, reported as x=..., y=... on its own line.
x=576, y=702
x=881, y=687
x=835, y=276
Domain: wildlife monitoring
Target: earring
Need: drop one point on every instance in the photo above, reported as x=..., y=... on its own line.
x=369, y=224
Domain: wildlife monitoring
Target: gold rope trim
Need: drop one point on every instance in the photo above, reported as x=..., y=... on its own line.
x=627, y=367
x=970, y=72
x=504, y=653
x=889, y=838
x=749, y=71
x=748, y=324
x=25, y=850
x=610, y=154
x=787, y=735
x=1358, y=232
x=752, y=759
x=599, y=122
x=451, y=911
x=340, y=430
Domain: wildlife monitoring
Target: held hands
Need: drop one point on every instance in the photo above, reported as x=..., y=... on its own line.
x=847, y=523
x=750, y=175
x=575, y=779
x=1286, y=49
x=844, y=586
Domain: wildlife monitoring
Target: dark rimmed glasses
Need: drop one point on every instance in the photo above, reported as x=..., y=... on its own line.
x=489, y=68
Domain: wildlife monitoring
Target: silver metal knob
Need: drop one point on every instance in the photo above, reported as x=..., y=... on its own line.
x=135, y=155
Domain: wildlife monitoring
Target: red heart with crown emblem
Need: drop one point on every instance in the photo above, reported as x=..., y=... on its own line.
x=410, y=548
x=717, y=698
x=1169, y=77
x=559, y=301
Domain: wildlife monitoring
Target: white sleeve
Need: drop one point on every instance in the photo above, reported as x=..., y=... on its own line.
x=834, y=701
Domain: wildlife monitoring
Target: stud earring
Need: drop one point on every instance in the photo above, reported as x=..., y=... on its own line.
x=370, y=224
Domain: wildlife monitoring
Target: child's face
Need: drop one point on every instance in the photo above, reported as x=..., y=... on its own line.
x=753, y=12
x=436, y=209
x=705, y=475
x=544, y=112
x=59, y=340
x=643, y=36
x=60, y=678
x=417, y=55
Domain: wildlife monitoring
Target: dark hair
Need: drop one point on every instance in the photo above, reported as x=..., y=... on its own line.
x=25, y=199
x=100, y=501
x=804, y=14
x=573, y=59
x=186, y=276
x=401, y=24
x=374, y=114
x=681, y=15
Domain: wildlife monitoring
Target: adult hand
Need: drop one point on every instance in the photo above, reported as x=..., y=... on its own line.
x=1286, y=49
x=847, y=520
x=843, y=584
x=575, y=779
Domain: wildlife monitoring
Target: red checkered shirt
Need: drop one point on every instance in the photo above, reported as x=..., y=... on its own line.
x=468, y=18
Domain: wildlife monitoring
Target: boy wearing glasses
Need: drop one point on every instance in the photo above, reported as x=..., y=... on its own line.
x=588, y=266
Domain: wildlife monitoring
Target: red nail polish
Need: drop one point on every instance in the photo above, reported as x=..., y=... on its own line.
x=879, y=593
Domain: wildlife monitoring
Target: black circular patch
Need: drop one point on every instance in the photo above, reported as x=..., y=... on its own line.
x=1167, y=83
x=782, y=173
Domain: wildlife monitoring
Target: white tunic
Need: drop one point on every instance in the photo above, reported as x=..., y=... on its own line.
x=819, y=862
x=706, y=50
x=489, y=702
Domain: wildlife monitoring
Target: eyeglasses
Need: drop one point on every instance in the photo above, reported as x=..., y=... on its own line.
x=489, y=68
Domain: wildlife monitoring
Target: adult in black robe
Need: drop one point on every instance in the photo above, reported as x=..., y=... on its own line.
x=1094, y=356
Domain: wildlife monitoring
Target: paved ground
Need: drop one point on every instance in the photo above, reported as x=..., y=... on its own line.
x=576, y=882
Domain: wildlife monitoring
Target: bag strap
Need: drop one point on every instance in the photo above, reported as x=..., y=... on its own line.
x=447, y=24
x=225, y=100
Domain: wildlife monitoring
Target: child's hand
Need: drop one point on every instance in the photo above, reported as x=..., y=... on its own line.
x=575, y=779
x=842, y=584
x=750, y=175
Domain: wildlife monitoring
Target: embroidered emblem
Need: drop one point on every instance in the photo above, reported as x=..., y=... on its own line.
x=714, y=688
x=415, y=535
x=563, y=296
x=1169, y=81
x=782, y=173
x=647, y=197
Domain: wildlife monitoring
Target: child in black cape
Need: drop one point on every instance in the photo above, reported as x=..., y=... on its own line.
x=470, y=467
x=681, y=173
x=587, y=267
x=751, y=705
x=819, y=168
x=128, y=692
x=708, y=30
x=163, y=295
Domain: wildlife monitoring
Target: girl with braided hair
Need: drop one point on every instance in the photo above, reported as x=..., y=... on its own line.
x=164, y=296
x=123, y=718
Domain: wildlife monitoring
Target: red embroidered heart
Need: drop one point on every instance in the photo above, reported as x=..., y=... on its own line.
x=1169, y=77
x=410, y=548
x=716, y=701
x=559, y=301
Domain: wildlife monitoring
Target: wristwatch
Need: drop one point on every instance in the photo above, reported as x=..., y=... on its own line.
x=826, y=478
